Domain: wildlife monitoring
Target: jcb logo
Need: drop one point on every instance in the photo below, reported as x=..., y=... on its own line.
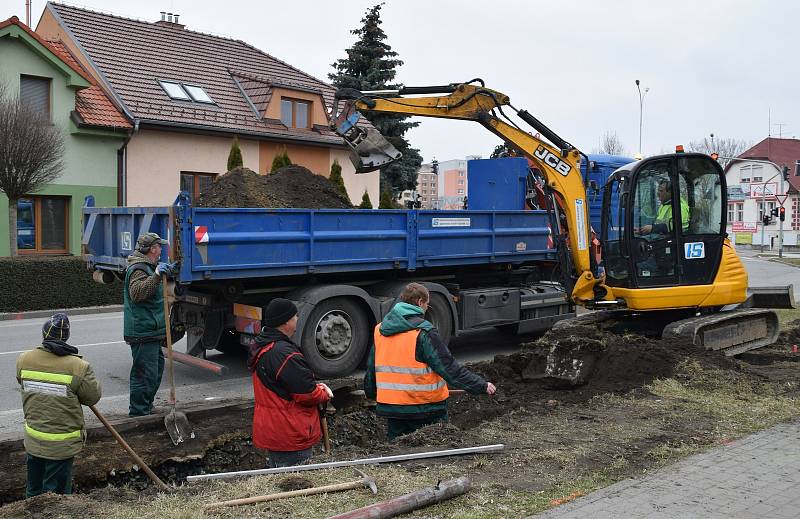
x=552, y=160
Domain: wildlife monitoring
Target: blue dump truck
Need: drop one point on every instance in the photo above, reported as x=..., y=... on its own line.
x=485, y=267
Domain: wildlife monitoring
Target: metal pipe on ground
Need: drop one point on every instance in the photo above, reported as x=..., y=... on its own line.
x=196, y=362
x=415, y=500
x=483, y=449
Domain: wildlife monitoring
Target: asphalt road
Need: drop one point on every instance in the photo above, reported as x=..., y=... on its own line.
x=99, y=339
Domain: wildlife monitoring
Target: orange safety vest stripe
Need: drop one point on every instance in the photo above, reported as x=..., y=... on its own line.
x=400, y=378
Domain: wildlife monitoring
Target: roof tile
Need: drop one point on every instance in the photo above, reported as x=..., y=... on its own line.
x=134, y=55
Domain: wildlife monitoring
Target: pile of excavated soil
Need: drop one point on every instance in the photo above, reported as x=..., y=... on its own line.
x=290, y=186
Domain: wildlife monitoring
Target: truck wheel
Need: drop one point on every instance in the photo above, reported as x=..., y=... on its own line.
x=335, y=337
x=440, y=316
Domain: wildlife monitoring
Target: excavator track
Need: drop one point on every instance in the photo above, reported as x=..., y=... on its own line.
x=732, y=332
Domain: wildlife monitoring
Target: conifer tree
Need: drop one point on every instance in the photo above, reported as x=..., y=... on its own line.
x=281, y=160
x=235, y=156
x=336, y=178
x=366, y=203
x=371, y=64
x=386, y=201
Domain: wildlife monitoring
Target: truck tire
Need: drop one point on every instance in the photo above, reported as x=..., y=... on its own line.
x=335, y=337
x=439, y=315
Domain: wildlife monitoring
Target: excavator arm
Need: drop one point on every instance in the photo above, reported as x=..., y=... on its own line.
x=558, y=162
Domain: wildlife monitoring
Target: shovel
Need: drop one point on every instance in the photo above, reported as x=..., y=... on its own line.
x=130, y=451
x=177, y=424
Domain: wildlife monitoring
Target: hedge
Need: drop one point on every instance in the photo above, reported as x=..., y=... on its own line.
x=49, y=283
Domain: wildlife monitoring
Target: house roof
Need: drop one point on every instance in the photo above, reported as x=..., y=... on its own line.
x=783, y=152
x=134, y=55
x=91, y=104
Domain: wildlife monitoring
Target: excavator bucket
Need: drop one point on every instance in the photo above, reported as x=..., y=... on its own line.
x=369, y=150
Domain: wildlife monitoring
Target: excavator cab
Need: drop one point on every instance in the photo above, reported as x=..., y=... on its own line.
x=663, y=222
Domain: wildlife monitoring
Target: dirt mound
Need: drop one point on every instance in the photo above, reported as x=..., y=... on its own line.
x=294, y=483
x=290, y=186
x=51, y=506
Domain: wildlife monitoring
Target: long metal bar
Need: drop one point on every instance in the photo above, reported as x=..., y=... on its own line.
x=350, y=463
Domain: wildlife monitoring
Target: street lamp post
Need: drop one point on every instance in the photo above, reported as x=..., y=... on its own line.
x=641, y=106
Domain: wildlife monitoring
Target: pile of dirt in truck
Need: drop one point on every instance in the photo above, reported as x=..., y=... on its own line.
x=646, y=404
x=287, y=187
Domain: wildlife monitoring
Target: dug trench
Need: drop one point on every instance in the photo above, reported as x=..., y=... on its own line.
x=637, y=410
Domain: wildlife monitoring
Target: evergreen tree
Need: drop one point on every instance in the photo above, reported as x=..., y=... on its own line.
x=371, y=65
x=235, y=156
x=336, y=178
x=281, y=160
x=386, y=201
x=366, y=203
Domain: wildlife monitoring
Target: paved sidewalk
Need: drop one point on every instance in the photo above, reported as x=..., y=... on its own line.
x=757, y=476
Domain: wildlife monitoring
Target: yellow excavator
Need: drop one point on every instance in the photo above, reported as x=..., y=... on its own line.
x=663, y=264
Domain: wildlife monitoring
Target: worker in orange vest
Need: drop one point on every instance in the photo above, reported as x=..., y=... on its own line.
x=410, y=368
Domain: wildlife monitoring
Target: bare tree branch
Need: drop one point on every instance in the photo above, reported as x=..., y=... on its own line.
x=610, y=144
x=724, y=147
x=31, y=154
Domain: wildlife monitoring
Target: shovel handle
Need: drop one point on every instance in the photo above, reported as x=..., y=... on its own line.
x=171, y=256
x=128, y=448
x=323, y=420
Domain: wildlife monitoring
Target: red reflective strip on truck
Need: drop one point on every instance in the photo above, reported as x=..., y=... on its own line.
x=201, y=234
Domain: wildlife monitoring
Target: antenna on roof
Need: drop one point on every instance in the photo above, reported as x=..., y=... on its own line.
x=28, y=13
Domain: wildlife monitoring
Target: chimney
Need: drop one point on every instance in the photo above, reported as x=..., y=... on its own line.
x=797, y=168
x=169, y=20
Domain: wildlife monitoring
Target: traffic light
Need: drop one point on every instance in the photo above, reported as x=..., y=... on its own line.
x=766, y=219
x=785, y=172
x=774, y=211
x=782, y=214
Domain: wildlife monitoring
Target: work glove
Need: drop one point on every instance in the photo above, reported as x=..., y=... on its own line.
x=167, y=269
x=327, y=389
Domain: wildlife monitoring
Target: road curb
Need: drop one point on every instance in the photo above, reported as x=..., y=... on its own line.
x=14, y=316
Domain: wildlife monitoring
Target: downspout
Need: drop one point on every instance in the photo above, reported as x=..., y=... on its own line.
x=123, y=166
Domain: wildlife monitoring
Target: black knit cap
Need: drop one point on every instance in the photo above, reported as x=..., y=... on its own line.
x=279, y=311
x=57, y=327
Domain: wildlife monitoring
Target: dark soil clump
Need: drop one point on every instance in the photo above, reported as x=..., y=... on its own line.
x=288, y=187
x=294, y=483
x=50, y=506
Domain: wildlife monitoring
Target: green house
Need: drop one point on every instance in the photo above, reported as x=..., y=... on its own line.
x=49, y=78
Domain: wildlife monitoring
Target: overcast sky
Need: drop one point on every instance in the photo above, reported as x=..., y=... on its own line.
x=712, y=67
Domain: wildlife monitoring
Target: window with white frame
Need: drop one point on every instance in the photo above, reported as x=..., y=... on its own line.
x=740, y=212
x=731, y=212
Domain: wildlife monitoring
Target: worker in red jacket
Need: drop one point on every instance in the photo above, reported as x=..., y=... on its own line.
x=286, y=421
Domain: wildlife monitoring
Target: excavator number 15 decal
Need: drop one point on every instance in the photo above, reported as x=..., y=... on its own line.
x=552, y=160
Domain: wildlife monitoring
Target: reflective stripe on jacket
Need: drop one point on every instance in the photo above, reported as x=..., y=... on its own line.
x=53, y=389
x=400, y=378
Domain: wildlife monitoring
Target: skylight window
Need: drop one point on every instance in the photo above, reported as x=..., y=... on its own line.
x=198, y=94
x=175, y=91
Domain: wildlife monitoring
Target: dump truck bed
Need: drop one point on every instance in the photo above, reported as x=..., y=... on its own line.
x=235, y=243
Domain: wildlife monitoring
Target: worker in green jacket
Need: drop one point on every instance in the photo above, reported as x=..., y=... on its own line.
x=410, y=370
x=144, y=324
x=55, y=382
x=662, y=225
